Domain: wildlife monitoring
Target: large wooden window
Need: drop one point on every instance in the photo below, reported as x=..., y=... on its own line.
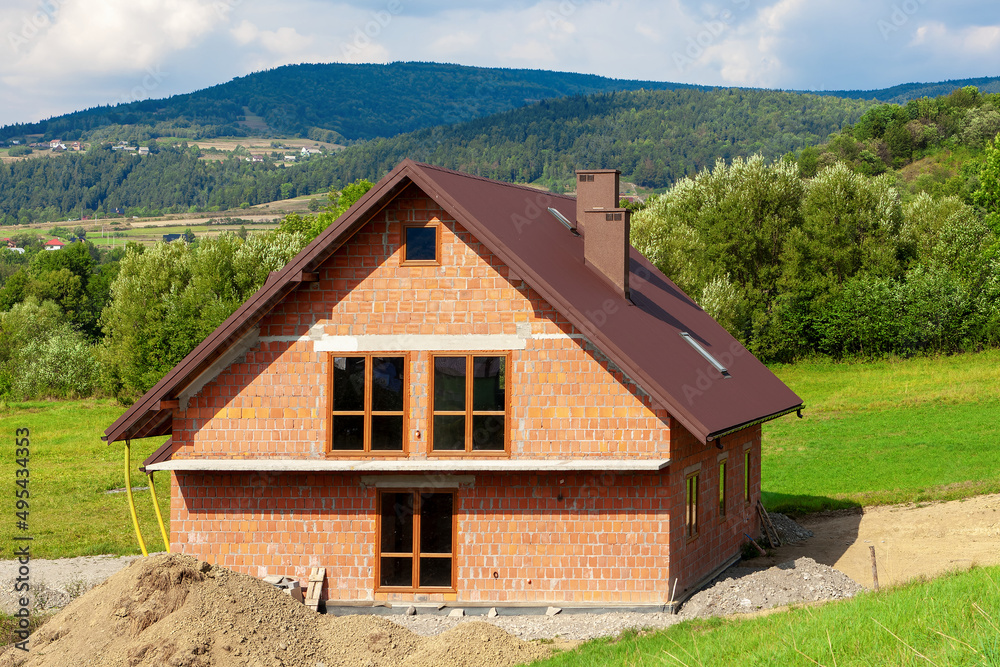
x=368, y=397
x=470, y=402
x=691, y=507
x=416, y=541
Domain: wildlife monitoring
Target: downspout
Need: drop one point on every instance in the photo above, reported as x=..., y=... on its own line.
x=159, y=516
x=131, y=500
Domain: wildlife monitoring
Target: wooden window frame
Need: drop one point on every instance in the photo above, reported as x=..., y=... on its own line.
x=469, y=411
x=415, y=581
x=691, y=506
x=723, y=464
x=436, y=224
x=366, y=449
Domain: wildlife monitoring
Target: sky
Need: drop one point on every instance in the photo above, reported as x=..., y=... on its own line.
x=58, y=56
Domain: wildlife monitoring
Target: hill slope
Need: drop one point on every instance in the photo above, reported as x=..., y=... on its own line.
x=653, y=137
x=352, y=101
x=905, y=92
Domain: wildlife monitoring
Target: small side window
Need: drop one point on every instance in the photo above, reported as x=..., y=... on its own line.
x=746, y=476
x=722, y=489
x=691, y=507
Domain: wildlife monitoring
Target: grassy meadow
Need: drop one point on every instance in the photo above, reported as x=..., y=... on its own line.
x=71, y=471
x=885, y=432
x=953, y=620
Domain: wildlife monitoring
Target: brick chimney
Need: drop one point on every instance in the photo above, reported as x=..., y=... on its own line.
x=604, y=226
x=596, y=189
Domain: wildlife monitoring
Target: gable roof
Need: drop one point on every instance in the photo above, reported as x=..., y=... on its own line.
x=641, y=335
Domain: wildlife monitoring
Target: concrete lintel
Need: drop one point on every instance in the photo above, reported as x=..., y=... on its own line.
x=417, y=481
x=417, y=342
x=408, y=466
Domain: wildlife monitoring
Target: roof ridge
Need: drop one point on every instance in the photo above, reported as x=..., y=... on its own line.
x=491, y=181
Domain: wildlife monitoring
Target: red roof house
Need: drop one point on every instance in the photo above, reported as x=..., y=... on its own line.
x=54, y=244
x=471, y=393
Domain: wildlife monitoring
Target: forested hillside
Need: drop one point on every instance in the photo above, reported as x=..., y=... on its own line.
x=905, y=92
x=884, y=240
x=653, y=137
x=332, y=102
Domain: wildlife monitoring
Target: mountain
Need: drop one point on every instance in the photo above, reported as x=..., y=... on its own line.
x=653, y=137
x=336, y=102
x=905, y=92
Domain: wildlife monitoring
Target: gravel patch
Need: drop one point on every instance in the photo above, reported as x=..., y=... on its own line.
x=741, y=590
x=55, y=583
x=789, y=531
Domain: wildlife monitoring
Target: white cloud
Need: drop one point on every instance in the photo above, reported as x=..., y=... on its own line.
x=98, y=37
x=97, y=51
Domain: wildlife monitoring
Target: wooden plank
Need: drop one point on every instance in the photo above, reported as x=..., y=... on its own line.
x=316, y=577
x=768, y=526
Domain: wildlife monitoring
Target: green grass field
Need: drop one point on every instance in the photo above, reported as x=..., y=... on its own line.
x=886, y=432
x=70, y=469
x=148, y=235
x=953, y=620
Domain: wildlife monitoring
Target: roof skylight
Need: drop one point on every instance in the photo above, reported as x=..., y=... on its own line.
x=562, y=218
x=705, y=353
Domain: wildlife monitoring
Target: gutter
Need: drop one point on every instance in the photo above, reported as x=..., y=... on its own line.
x=718, y=435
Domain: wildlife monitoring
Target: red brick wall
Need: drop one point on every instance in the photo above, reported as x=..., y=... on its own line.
x=719, y=539
x=604, y=541
x=565, y=401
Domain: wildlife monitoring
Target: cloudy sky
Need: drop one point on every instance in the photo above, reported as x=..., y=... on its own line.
x=58, y=56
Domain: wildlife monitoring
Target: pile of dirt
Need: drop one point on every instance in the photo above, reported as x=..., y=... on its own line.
x=789, y=531
x=741, y=590
x=176, y=611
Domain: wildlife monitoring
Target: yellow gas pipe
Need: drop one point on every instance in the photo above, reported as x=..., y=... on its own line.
x=131, y=500
x=159, y=516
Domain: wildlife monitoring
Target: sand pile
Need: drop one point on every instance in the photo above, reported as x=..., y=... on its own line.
x=175, y=611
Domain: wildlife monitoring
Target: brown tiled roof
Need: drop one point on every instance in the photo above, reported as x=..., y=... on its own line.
x=641, y=336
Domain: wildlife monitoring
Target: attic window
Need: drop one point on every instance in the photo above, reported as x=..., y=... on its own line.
x=586, y=178
x=422, y=243
x=705, y=353
x=563, y=219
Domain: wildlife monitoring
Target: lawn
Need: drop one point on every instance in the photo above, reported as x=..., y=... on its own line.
x=953, y=620
x=886, y=432
x=71, y=470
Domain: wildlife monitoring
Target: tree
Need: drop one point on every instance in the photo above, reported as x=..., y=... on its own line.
x=850, y=223
x=721, y=235
x=167, y=298
x=988, y=193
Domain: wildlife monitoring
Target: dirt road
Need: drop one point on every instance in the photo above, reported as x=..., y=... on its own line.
x=910, y=540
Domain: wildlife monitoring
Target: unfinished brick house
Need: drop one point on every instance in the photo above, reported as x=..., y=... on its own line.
x=472, y=393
